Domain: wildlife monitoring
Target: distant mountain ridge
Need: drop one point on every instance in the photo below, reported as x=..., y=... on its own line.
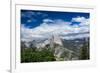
x=63, y=49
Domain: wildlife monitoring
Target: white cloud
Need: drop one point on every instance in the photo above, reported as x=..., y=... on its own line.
x=77, y=36
x=78, y=19
x=56, y=27
x=83, y=21
x=28, y=34
x=47, y=20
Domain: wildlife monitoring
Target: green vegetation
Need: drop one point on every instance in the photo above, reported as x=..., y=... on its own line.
x=84, y=51
x=56, y=53
x=31, y=55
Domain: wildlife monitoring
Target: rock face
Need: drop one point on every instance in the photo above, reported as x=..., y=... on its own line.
x=60, y=52
x=55, y=39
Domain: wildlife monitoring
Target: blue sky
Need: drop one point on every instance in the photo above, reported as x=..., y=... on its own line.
x=31, y=18
x=40, y=24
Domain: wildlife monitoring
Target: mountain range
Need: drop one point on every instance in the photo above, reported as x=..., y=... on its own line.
x=63, y=49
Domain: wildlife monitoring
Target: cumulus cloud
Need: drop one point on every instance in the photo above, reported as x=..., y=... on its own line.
x=83, y=21
x=78, y=19
x=28, y=34
x=58, y=26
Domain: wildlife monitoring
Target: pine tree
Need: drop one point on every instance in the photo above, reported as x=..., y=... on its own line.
x=84, y=51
